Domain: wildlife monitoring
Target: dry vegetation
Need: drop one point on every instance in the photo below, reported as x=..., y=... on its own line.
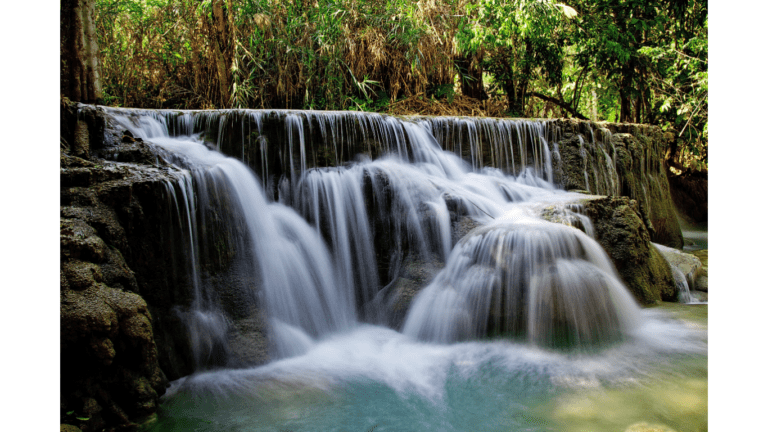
x=459, y=105
x=531, y=58
x=267, y=53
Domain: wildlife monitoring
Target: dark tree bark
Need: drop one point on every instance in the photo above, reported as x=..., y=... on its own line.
x=471, y=77
x=626, y=103
x=80, y=78
x=223, y=47
x=559, y=103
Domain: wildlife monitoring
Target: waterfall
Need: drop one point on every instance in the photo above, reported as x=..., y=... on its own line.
x=524, y=277
x=288, y=260
x=344, y=198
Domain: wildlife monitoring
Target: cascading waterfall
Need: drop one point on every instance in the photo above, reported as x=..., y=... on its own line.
x=521, y=276
x=205, y=322
x=319, y=236
x=333, y=202
x=290, y=261
x=422, y=182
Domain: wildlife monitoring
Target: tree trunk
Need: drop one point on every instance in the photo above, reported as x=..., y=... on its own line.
x=515, y=103
x=626, y=106
x=80, y=75
x=222, y=50
x=471, y=75
x=559, y=103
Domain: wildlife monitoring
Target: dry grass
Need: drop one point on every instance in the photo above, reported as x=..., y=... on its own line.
x=460, y=106
x=334, y=55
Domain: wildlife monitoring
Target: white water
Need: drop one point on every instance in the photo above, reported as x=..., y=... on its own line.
x=544, y=284
x=374, y=376
x=298, y=285
x=521, y=275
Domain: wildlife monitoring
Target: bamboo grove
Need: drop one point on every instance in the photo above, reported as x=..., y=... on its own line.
x=613, y=60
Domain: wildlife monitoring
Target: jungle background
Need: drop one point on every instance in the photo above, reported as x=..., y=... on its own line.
x=605, y=60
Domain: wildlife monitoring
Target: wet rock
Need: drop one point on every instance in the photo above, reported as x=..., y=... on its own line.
x=110, y=374
x=106, y=334
x=701, y=281
x=81, y=275
x=461, y=226
x=132, y=150
x=403, y=292
x=622, y=233
x=69, y=161
x=688, y=264
x=626, y=160
x=79, y=241
x=248, y=341
x=415, y=274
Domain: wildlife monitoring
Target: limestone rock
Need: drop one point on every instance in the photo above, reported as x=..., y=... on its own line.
x=81, y=275
x=461, y=227
x=110, y=374
x=415, y=274
x=79, y=241
x=623, y=235
x=248, y=340
x=688, y=264
x=623, y=160
x=701, y=281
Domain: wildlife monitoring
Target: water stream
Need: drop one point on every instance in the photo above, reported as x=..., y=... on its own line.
x=525, y=327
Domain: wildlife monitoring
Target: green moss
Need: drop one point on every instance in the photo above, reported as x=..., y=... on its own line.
x=622, y=233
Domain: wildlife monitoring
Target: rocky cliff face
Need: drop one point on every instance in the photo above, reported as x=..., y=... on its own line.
x=117, y=335
x=109, y=358
x=125, y=278
x=621, y=232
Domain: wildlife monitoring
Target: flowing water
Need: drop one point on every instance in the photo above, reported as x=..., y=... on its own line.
x=525, y=327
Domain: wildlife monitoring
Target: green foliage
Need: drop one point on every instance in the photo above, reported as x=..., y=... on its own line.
x=522, y=41
x=614, y=60
x=329, y=54
x=680, y=82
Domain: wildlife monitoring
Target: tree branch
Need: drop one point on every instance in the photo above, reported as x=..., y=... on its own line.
x=559, y=103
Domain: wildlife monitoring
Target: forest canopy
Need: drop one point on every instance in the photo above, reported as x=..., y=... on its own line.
x=604, y=60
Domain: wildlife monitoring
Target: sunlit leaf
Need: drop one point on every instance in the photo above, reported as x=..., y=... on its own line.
x=568, y=11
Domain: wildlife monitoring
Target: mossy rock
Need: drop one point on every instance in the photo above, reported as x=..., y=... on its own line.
x=622, y=233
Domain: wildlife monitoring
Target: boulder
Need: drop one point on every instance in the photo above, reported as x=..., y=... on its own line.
x=415, y=274
x=701, y=280
x=248, y=342
x=688, y=264
x=621, y=232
